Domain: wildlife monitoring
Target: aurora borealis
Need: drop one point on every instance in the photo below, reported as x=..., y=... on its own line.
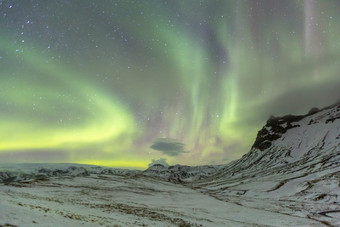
x=98, y=82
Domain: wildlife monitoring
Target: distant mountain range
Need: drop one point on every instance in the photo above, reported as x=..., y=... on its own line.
x=294, y=166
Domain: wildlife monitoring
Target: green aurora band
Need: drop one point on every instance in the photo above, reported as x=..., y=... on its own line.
x=97, y=82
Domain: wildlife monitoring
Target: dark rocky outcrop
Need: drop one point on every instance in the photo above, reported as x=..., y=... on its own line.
x=274, y=129
x=277, y=126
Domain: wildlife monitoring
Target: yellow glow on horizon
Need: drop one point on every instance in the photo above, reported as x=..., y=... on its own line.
x=117, y=163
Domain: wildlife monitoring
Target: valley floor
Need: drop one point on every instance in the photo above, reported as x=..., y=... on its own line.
x=110, y=200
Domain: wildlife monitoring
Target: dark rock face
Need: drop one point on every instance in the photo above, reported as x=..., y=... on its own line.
x=157, y=166
x=77, y=171
x=274, y=129
x=42, y=174
x=44, y=170
x=107, y=172
x=277, y=126
x=332, y=119
x=180, y=173
x=70, y=171
x=3, y=176
x=10, y=179
x=58, y=172
x=41, y=177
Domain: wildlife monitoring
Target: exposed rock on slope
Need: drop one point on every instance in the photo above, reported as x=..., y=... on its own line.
x=292, y=170
x=294, y=164
x=288, y=139
x=181, y=173
x=23, y=173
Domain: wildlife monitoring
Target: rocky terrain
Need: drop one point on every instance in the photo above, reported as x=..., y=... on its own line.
x=290, y=177
x=294, y=166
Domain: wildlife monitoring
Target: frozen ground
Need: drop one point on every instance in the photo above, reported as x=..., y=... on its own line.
x=290, y=177
x=110, y=200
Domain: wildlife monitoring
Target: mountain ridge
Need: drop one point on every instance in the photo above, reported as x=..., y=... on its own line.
x=292, y=169
x=297, y=172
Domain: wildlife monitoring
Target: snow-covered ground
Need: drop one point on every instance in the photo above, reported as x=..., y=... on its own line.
x=290, y=177
x=293, y=168
x=111, y=200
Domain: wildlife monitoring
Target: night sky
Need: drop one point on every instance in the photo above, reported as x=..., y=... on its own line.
x=119, y=83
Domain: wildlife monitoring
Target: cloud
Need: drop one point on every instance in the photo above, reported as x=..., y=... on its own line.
x=161, y=161
x=169, y=147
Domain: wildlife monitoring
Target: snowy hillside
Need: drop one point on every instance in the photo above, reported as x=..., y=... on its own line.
x=290, y=138
x=38, y=171
x=294, y=166
x=180, y=173
x=290, y=177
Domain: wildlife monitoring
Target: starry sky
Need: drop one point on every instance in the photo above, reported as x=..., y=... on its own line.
x=119, y=83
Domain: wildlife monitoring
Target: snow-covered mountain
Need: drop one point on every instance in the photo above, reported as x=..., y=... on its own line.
x=294, y=165
x=181, y=173
x=290, y=177
x=10, y=173
x=285, y=140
